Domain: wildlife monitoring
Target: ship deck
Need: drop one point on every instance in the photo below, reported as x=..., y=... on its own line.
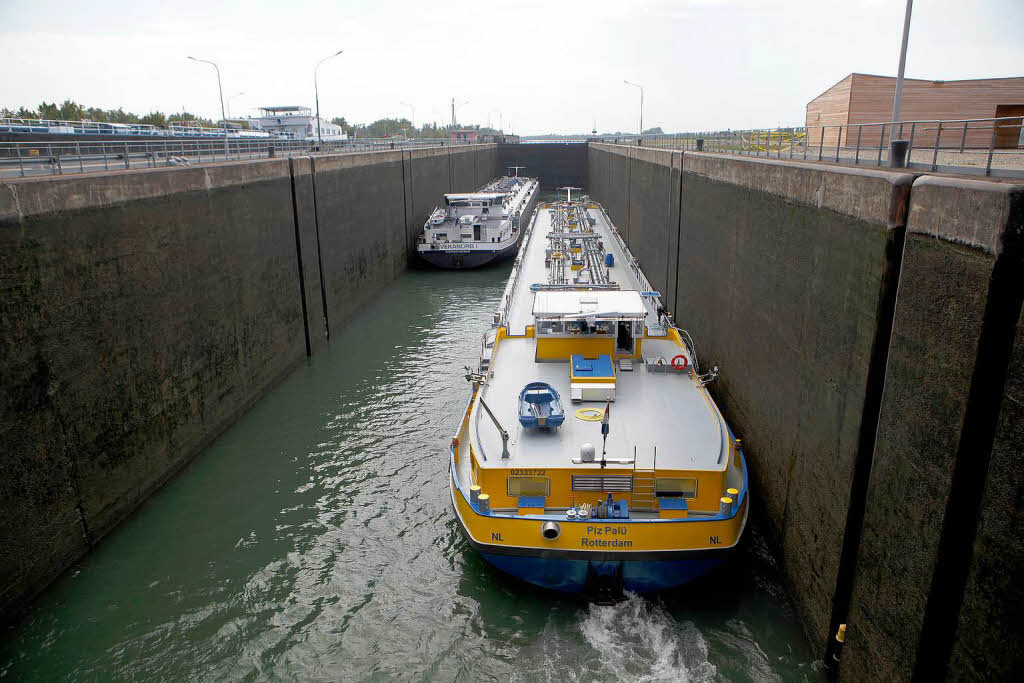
x=666, y=413
x=520, y=312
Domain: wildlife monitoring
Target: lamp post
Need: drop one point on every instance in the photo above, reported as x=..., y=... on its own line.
x=231, y=97
x=316, y=94
x=413, y=109
x=641, y=131
x=220, y=91
x=897, y=148
x=903, y=63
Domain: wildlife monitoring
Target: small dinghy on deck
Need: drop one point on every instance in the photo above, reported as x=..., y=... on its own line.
x=540, y=406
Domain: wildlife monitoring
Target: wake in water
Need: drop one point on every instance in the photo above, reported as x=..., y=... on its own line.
x=637, y=640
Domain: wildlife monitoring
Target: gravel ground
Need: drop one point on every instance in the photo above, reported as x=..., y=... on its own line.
x=974, y=160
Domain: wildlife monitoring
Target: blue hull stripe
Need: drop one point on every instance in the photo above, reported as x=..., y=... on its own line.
x=571, y=576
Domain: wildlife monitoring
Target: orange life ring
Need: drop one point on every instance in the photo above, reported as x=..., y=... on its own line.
x=685, y=364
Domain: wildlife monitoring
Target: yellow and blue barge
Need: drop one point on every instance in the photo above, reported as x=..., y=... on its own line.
x=643, y=486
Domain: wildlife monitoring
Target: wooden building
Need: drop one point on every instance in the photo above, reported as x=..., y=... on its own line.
x=862, y=98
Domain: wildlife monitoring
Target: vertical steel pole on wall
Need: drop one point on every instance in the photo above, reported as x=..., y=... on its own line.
x=935, y=152
x=902, y=60
x=991, y=146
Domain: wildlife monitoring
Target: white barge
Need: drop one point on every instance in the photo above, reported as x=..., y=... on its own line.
x=477, y=228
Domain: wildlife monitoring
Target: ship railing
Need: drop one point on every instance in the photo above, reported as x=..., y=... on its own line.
x=978, y=146
x=634, y=265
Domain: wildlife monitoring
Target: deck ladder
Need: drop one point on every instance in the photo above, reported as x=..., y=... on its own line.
x=644, y=484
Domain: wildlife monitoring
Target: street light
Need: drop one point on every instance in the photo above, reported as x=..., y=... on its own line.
x=231, y=97
x=220, y=90
x=640, y=134
x=896, y=151
x=316, y=92
x=413, y=119
x=489, y=118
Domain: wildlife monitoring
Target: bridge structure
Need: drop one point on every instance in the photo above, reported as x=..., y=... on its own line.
x=866, y=322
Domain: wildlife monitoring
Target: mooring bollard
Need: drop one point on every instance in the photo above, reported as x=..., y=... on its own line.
x=898, y=153
x=725, y=509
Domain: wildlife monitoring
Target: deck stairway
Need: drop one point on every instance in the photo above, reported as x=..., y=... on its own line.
x=643, y=490
x=644, y=481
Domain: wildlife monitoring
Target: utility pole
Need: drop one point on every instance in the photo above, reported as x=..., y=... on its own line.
x=641, y=131
x=453, y=110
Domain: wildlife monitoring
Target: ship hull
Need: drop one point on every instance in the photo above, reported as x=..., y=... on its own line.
x=581, y=576
x=477, y=258
x=470, y=258
x=592, y=573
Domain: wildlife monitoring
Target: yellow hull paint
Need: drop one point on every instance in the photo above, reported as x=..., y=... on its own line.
x=602, y=535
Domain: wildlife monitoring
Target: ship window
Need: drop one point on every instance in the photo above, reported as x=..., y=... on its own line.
x=683, y=487
x=486, y=210
x=529, y=486
x=551, y=327
x=440, y=235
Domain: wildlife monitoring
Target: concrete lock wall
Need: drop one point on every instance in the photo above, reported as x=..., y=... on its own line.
x=144, y=311
x=787, y=275
x=555, y=164
x=949, y=446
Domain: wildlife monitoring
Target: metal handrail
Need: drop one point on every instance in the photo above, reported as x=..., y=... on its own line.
x=868, y=143
x=28, y=158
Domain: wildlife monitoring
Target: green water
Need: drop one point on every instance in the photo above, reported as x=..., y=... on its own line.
x=314, y=541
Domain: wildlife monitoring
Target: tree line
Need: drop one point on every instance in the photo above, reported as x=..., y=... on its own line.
x=70, y=110
x=384, y=128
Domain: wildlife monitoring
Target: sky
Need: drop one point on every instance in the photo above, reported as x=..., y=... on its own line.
x=535, y=66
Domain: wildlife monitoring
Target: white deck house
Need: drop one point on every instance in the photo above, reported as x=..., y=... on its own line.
x=295, y=123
